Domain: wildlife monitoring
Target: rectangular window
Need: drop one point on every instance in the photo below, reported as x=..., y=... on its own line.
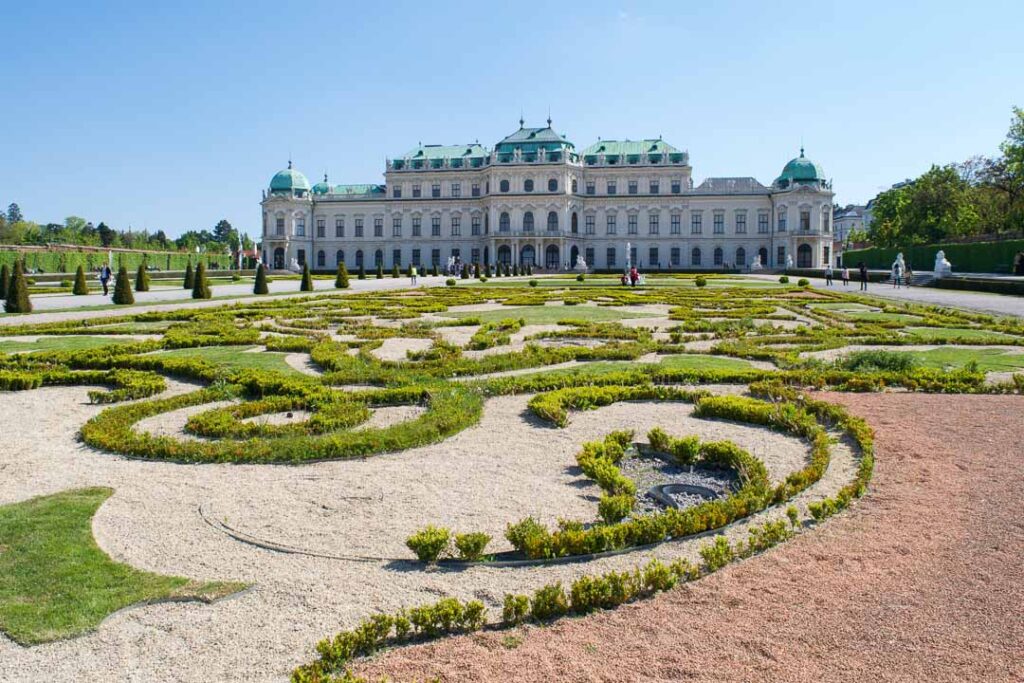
x=590, y=257
x=435, y=226
x=632, y=256
x=718, y=257
x=719, y=225
x=456, y=189
x=339, y=227
x=456, y=226
x=762, y=224
x=677, y=186
x=610, y=224
x=588, y=226
x=321, y=227
x=780, y=257
x=631, y=224
x=590, y=187
x=825, y=222
x=632, y=186
x=475, y=255
x=610, y=256
x=359, y=227
x=435, y=190
x=416, y=190
x=677, y=224
x=416, y=257
x=302, y=257
x=396, y=226
x=696, y=223
x=396, y=257
x=474, y=225
x=300, y=227
x=416, y=226
x=279, y=225
x=435, y=257
x=652, y=255
x=782, y=221
x=805, y=221
x=396, y=192
x=674, y=255
x=475, y=189
x=654, y=187
x=741, y=224
x=653, y=224
x=378, y=227
x=456, y=254
x=611, y=188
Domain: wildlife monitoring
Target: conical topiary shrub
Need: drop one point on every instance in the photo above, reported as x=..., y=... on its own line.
x=395, y=272
x=476, y=270
x=307, y=279
x=123, y=288
x=142, y=279
x=17, y=292
x=200, y=286
x=190, y=278
x=464, y=275
x=380, y=271
x=5, y=280
x=433, y=271
x=341, y=281
x=81, y=286
x=362, y=272
x=261, y=281
x=529, y=269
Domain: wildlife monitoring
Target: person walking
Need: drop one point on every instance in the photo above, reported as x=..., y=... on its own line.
x=863, y=276
x=105, y=279
x=897, y=274
x=412, y=274
x=634, y=275
x=908, y=275
x=846, y=276
x=828, y=275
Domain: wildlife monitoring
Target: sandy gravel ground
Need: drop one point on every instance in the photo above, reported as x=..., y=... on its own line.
x=394, y=349
x=303, y=363
x=922, y=581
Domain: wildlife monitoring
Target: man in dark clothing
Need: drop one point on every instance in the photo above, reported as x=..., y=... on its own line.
x=105, y=278
x=863, y=276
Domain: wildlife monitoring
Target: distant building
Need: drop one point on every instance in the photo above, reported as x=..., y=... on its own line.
x=535, y=200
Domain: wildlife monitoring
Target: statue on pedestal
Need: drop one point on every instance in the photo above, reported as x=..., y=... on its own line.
x=293, y=266
x=756, y=265
x=789, y=261
x=581, y=265
x=942, y=266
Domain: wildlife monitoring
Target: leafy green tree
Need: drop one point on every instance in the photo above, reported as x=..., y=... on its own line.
x=341, y=279
x=106, y=235
x=142, y=279
x=261, y=281
x=201, y=288
x=14, y=213
x=5, y=280
x=123, y=288
x=17, y=291
x=190, y=279
x=81, y=286
x=307, y=279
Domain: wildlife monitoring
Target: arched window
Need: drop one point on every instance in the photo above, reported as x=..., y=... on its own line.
x=551, y=257
x=741, y=256
x=695, y=257
x=359, y=259
x=528, y=221
x=528, y=185
x=321, y=259
x=504, y=254
x=503, y=186
x=763, y=253
x=528, y=256
x=719, y=256
x=378, y=258
x=504, y=225
x=339, y=257
x=804, y=256
x=575, y=186
x=552, y=221
x=278, y=258
x=553, y=185
x=575, y=224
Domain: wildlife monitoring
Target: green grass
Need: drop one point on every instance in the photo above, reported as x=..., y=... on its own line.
x=684, y=361
x=66, y=343
x=880, y=316
x=988, y=360
x=946, y=333
x=235, y=357
x=55, y=582
x=842, y=307
x=549, y=315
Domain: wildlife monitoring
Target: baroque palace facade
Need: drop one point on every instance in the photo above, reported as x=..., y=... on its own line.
x=535, y=200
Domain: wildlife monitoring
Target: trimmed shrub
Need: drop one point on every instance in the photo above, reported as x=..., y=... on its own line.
x=549, y=602
x=529, y=270
x=190, y=281
x=580, y=278
x=201, y=287
x=533, y=283
x=615, y=508
x=123, y=288
x=515, y=269
x=141, y=279
x=515, y=609
x=380, y=271
x=784, y=279
x=450, y=282
x=718, y=554
x=878, y=361
x=471, y=546
x=395, y=272
x=433, y=271
x=81, y=286
x=464, y=275
x=17, y=291
x=307, y=279
x=341, y=279
x=429, y=542
x=362, y=272
x=700, y=281
x=260, y=287
x=803, y=282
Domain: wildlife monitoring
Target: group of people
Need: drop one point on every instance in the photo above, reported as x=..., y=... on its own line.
x=845, y=275
x=631, y=277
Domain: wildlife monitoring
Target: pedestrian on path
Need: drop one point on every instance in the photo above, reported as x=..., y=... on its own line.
x=897, y=275
x=863, y=276
x=412, y=274
x=105, y=278
x=846, y=276
x=828, y=275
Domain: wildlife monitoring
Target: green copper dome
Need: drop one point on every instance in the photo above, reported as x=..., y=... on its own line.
x=289, y=180
x=322, y=187
x=801, y=170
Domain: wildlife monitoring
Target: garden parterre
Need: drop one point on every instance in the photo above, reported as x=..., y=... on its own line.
x=585, y=328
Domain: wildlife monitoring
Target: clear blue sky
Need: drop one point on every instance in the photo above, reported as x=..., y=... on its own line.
x=163, y=116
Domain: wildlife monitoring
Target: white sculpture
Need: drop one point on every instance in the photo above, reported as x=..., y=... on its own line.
x=294, y=266
x=581, y=264
x=942, y=266
x=899, y=266
x=756, y=265
x=789, y=261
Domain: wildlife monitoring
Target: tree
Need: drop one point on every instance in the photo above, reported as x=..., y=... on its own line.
x=341, y=280
x=17, y=291
x=201, y=289
x=81, y=286
x=123, y=288
x=226, y=235
x=106, y=235
x=14, y=213
x=307, y=279
x=5, y=280
x=380, y=271
x=433, y=271
x=142, y=279
x=362, y=272
x=464, y=275
x=261, y=281
x=190, y=280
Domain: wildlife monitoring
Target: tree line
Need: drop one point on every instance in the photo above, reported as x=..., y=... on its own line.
x=981, y=196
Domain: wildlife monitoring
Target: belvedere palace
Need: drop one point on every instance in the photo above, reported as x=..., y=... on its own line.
x=534, y=199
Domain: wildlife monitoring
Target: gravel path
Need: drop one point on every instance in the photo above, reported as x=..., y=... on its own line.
x=922, y=581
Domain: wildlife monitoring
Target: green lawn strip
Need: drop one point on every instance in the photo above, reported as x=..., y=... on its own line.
x=55, y=582
x=881, y=316
x=549, y=315
x=946, y=333
x=843, y=307
x=685, y=361
x=235, y=357
x=988, y=360
x=58, y=343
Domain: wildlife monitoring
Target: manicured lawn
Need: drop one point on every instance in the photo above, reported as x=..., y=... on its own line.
x=66, y=343
x=549, y=315
x=842, y=307
x=613, y=281
x=879, y=316
x=55, y=582
x=989, y=360
x=683, y=361
x=944, y=333
x=235, y=357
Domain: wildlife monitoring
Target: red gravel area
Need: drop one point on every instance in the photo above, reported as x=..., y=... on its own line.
x=922, y=581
